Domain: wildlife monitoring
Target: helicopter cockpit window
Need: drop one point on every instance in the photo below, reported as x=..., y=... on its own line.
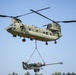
x=12, y=26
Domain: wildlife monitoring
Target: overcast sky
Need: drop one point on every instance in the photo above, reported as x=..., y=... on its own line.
x=13, y=51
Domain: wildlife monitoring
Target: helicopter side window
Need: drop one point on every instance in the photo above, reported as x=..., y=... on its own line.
x=30, y=29
x=46, y=33
x=50, y=34
x=43, y=32
x=21, y=27
x=36, y=30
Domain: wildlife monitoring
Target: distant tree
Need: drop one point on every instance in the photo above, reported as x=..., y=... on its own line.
x=63, y=73
x=13, y=73
x=38, y=74
x=9, y=74
x=27, y=73
x=68, y=73
x=73, y=73
x=56, y=73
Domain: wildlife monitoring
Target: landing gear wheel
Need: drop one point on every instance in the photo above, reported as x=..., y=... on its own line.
x=36, y=70
x=23, y=40
x=55, y=42
x=14, y=35
x=31, y=39
x=46, y=43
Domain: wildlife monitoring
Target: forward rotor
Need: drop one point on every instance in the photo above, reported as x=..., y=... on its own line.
x=23, y=14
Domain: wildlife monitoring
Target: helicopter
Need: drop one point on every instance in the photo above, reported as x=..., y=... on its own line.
x=51, y=33
x=36, y=66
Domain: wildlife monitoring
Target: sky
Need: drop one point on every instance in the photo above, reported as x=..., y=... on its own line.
x=13, y=51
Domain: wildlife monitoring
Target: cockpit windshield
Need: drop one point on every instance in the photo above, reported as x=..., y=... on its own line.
x=12, y=25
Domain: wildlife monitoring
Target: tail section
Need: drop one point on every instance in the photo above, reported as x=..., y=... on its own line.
x=55, y=28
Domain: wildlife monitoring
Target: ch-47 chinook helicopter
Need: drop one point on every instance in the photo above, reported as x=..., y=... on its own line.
x=36, y=66
x=51, y=33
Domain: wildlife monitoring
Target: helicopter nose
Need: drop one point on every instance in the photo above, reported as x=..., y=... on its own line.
x=8, y=29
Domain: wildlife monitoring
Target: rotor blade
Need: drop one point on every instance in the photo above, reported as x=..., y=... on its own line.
x=54, y=63
x=23, y=14
x=5, y=16
x=32, y=12
x=70, y=21
x=45, y=25
x=42, y=15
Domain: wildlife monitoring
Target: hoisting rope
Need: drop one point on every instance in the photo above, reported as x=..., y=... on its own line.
x=34, y=52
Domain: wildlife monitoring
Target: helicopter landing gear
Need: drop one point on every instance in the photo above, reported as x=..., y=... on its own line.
x=55, y=42
x=46, y=43
x=14, y=35
x=36, y=70
x=31, y=39
x=23, y=40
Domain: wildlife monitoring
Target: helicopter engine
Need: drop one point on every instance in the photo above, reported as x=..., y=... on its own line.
x=55, y=28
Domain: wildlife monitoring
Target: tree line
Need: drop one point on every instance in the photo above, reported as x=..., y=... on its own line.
x=56, y=73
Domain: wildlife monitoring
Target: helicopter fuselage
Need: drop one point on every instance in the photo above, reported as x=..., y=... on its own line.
x=51, y=33
x=32, y=32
